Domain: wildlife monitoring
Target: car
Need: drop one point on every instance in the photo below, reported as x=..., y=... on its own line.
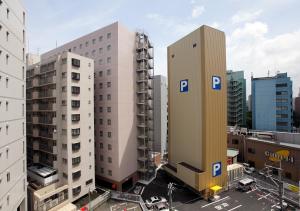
x=245, y=184
x=161, y=207
x=155, y=200
x=214, y=198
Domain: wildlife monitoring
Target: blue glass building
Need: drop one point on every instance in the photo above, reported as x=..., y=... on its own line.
x=272, y=108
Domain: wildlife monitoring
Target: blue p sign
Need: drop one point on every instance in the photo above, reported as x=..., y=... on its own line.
x=216, y=169
x=216, y=82
x=184, y=85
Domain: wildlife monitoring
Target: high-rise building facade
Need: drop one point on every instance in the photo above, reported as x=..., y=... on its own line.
x=198, y=110
x=13, y=182
x=236, y=98
x=160, y=114
x=272, y=103
x=60, y=130
x=297, y=110
x=123, y=102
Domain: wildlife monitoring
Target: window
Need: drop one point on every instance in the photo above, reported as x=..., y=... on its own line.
x=108, y=35
x=74, y=48
x=8, y=177
x=75, y=117
x=101, y=157
x=100, y=73
x=100, y=50
x=102, y=170
x=100, y=85
x=109, y=159
x=75, y=103
x=76, y=146
x=108, y=60
x=7, y=57
x=101, y=121
x=281, y=108
x=87, y=54
x=75, y=90
x=80, y=46
x=100, y=97
x=109, y=134
x=281, y=85
x=75, y=76
x=76, y=161
x=23, y=36
x=282, y=116
x=108, y=72
x=281, y=123
x=108, y=97
x=109, y=147
x=24, y=18
x=75, y=62
x=7, y=13
x=100, y=38
x=108, y=84
x=281, y=93
x=251, y=150
x=76, y=190
x=86, y=44
x=6, y=84
x=76, y=132
x=100, y=109
x=281, y=100
x=93, y=52
x=101, y=135
x=108, y=47
x=109, y=172
x=100, y=62
x=108, y=109
x=109, y=122
x=7, y=36
x=94, y=41
x=90, y=181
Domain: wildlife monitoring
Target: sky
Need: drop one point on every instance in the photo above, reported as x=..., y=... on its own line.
x=262, y=36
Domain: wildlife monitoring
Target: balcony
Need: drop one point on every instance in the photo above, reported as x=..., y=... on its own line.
x=47, y=120
x=47, y=94
x=47, y=81
x=47, y=107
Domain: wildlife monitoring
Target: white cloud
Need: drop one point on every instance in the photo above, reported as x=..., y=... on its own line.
x=245, y=16
x=251, y=49
x=197, y=11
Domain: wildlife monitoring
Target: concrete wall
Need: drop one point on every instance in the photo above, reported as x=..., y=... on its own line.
x=160, y=114
x=197, y=118
x=12, y=106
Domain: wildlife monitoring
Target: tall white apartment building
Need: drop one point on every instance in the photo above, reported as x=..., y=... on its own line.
x=12, y=106
x=123, y=115
x=60, y=130
x=160, y=114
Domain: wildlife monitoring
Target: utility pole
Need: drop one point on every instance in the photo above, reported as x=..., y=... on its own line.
x=170, y=191
x=278, y=182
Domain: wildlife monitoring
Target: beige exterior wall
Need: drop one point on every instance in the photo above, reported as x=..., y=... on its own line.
x=119, y=72
x=197, y=118
x=12, y=106
x=50, y=131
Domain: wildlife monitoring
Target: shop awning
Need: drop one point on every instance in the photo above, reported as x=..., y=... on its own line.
x=216, y=188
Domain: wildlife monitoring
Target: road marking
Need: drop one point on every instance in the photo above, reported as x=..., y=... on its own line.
x=235, y=207
x=215, y=202
x=265, y=196
x=251, y=190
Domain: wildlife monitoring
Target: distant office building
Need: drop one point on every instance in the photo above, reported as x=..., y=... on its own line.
x=236, y=98
x=123, y=102
x=272, y=103
x=13, y=182
x=60, y=130
x=249, y=103
x=297, y=109
x=160, y=114
x=197, y=151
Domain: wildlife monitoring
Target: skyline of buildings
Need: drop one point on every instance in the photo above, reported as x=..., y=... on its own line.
x=13, y=181
x=60, y=130
x=272, y=103
x=236, y=98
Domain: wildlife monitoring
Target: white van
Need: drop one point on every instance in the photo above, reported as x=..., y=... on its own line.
x=245, y=184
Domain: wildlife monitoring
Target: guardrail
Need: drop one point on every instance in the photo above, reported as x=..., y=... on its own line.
x=129, y=197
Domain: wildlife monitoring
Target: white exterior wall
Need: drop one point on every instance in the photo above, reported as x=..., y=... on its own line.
x=160, y=114
x=12, y=106
x=123, y=97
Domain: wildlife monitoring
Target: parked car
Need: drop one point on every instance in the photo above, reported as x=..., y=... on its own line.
x=161, y=207
x=214, y=198
x=245, y=184
x=155, y=200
